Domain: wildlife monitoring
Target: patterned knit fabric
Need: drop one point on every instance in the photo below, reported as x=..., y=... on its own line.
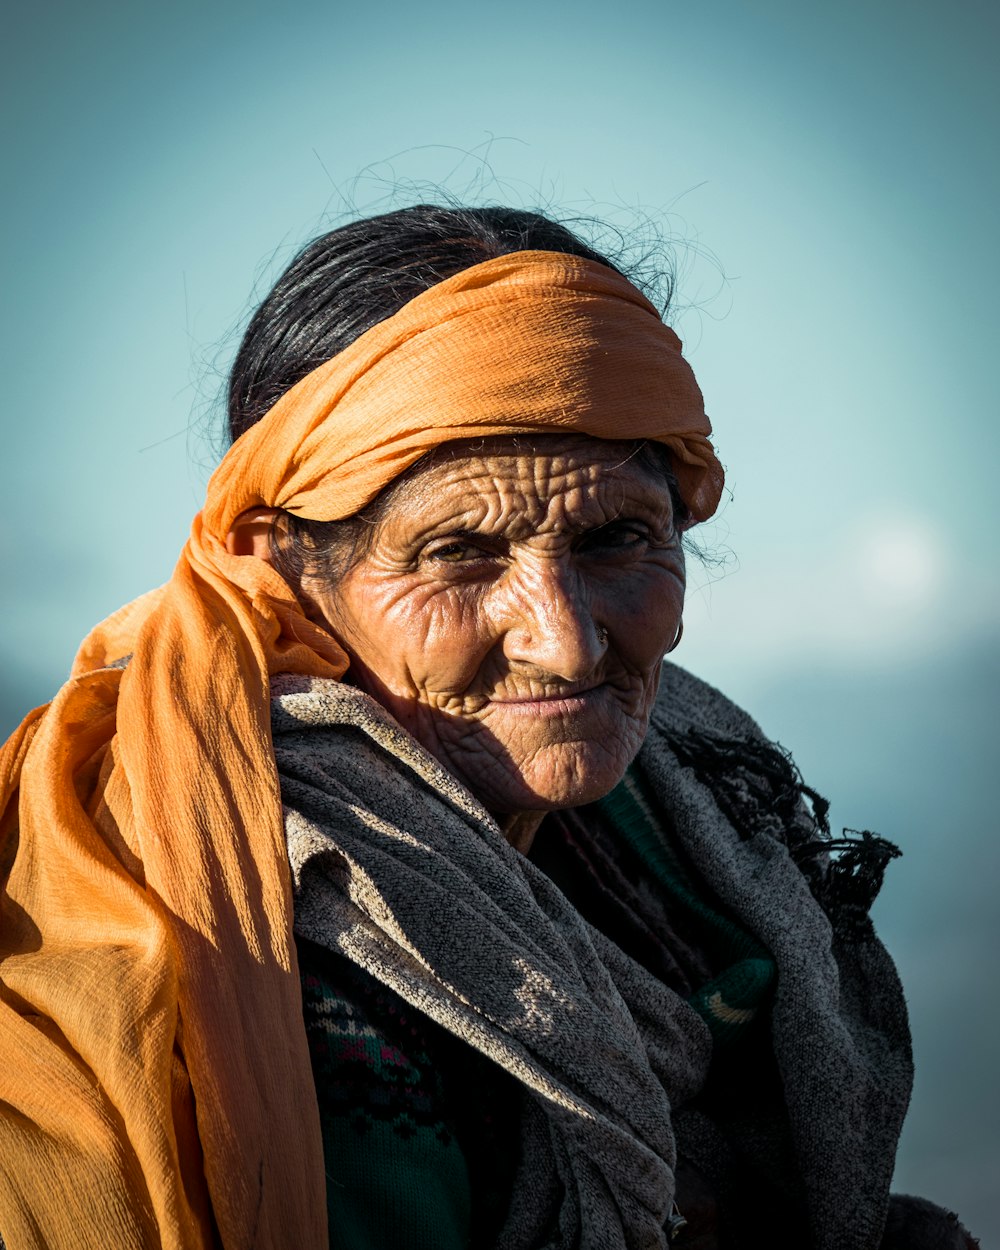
x=419, y=1129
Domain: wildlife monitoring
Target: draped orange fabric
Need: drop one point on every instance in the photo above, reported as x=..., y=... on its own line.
x=155, y=1085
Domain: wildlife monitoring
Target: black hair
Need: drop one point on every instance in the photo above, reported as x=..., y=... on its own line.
x=349, y=280
x=342, y=284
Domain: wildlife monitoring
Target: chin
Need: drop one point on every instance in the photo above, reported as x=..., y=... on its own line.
x=557, y=778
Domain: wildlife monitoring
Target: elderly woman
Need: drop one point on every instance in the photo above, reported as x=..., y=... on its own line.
x=375, y=883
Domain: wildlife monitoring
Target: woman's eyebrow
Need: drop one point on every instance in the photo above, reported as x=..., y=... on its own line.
x=464, y=534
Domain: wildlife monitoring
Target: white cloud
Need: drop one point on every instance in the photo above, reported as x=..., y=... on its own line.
x=901, y=563
x=890, y=588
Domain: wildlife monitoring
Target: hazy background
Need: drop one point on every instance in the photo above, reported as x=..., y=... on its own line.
x=831, y=172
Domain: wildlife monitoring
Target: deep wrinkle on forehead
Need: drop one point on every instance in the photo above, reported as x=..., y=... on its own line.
x=567, y=486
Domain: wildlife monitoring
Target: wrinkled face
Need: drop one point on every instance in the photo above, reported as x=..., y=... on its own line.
x=512, y=613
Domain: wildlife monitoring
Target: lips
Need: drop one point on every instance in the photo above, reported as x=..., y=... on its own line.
x=566, y=694
x=571, y=702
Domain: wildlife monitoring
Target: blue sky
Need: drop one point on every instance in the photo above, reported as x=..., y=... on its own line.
x=829, y=174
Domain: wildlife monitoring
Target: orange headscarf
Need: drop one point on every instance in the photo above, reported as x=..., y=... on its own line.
x=154, y=1071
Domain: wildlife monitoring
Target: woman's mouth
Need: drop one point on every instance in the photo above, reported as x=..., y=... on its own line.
x=568, y=701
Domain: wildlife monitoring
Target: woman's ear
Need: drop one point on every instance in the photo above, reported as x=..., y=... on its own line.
x=250, y=534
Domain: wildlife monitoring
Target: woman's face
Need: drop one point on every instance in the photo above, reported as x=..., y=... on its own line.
x=512, y=613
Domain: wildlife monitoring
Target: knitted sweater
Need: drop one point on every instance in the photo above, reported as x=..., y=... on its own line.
x=562, y=1104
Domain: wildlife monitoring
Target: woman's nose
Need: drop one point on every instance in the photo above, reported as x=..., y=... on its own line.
x=549, y=622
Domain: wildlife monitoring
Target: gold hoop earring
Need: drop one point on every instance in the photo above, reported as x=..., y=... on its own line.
x=677, y=637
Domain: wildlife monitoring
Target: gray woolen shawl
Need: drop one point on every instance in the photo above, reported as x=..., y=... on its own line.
x=396, y=866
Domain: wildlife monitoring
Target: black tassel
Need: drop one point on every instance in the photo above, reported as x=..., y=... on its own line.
x=854, y=876
x=759, y=789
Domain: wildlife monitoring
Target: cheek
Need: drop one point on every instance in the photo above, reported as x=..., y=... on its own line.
x=455, y=638
x=643, y=615
x=411, y=635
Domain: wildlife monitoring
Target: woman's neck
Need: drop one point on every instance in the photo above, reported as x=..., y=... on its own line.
x=519, y=828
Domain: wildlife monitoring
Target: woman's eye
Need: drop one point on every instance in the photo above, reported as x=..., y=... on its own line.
x=616, y=537
x=456, y=553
